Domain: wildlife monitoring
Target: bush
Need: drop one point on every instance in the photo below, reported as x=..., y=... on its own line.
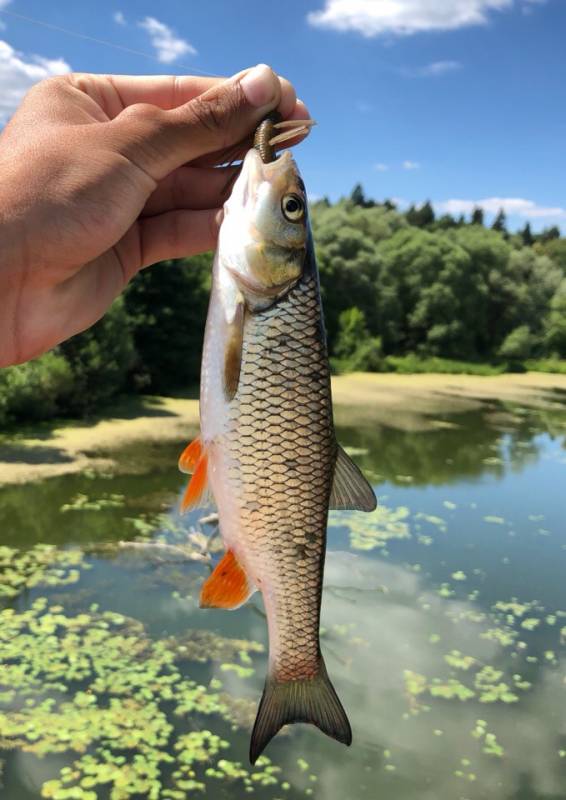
x=519, y=344
x=356, y=350
x=167, y=307
x=35, y=391
x=413, y=364
x=100, y=359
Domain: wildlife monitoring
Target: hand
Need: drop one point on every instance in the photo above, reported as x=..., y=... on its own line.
x=104, y=175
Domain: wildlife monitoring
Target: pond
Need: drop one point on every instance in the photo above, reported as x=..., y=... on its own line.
x=443, y=629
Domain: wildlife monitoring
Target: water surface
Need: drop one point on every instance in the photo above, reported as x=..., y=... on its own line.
x=444, y=624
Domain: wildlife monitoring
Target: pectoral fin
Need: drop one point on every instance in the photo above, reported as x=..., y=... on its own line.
x=350, y=491
x=197, y=491
x=233, y=352
x=228, y=586
x=190, y=456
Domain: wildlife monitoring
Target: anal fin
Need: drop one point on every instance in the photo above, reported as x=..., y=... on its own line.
x=350, y=490
x=228, y=586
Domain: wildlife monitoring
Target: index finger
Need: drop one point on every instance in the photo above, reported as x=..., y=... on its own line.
x=117, y=92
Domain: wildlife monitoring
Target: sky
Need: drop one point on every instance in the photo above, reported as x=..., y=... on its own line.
x=458, y=101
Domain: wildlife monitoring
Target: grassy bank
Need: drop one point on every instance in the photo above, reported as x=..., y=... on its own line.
x=406, y=402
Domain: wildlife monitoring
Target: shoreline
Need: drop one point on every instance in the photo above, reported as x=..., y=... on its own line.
x=412, y=403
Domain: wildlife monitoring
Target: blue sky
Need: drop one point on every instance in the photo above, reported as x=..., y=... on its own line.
x=458, y=101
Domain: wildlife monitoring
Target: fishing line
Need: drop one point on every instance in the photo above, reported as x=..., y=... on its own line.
x=103, y=42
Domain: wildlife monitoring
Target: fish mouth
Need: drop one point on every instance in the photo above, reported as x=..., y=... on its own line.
x=260, y=171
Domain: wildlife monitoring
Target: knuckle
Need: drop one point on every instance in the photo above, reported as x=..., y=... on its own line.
x=212, y=111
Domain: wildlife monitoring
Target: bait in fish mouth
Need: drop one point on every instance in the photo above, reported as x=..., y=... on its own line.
x=267, y=451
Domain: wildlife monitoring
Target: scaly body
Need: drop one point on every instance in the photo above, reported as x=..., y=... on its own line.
x=268, y=444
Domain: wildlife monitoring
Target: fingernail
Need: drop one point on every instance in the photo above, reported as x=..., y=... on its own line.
x=259, y=86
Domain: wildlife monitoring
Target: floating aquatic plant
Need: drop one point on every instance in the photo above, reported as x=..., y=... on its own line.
x=41, y=565
x=370, y=531
x=82, y=502
x=95, y=684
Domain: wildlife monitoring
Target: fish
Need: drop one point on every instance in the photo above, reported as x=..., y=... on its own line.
x=267, y=450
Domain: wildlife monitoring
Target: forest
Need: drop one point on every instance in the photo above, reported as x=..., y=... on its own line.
x=405, y=291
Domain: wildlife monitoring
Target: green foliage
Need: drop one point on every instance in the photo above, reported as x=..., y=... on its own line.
x=555, y=323
x=411, y=364
x=404, y=292
x=167, y=306
x=100, y=359
x=518, y=344
x=500, y=222
x=356, y=350
x=37, y=390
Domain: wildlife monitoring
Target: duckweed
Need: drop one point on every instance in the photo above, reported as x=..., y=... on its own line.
x=375, y=530
x=41, y=566
x=96, y=685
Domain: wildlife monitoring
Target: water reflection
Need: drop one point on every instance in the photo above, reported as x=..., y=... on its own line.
x=451, y=694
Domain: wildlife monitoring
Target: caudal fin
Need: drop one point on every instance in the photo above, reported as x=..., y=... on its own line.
x=311, y=700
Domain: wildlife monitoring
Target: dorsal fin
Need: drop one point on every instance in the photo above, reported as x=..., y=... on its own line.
x=228, y=586
x=350, y=490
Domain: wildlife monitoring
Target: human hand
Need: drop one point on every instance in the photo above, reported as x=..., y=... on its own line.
x=104, y=175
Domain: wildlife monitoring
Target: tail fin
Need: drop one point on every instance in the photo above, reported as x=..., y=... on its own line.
x=311, y=700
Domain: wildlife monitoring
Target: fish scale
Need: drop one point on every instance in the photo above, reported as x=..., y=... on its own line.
x=286, y=458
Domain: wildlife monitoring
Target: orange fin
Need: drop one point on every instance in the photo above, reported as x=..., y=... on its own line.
x=190, y=456
x=228, y=586
x=196, y=494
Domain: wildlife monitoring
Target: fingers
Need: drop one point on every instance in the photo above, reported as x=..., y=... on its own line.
x=116, y=92
x=177, y=234
x=160, y=141
x=191, y=188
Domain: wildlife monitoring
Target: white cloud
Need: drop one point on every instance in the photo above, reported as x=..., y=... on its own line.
x=432, y=70
x=381, y=167
x=119, y=18
x=405, y=17
x=168, y=46
x=18, y=73
x=514, y=206
x=411, y=165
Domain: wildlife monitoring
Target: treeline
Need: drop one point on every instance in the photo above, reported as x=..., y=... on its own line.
x=414, y=283
x=402, y=291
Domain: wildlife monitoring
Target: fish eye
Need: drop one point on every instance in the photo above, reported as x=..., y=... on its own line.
x=293, y=207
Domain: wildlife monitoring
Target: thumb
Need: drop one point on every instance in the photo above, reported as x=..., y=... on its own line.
x=159, y=141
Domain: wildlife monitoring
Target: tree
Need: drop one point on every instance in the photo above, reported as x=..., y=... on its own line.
x=555, y=323
x=421, y=217
x=500, y=221
x=358, y=197
x=477, y=216
x=355, y=350
x=100, y=359
x=167, y=305
x=526, y=235
x=518, y=344
x=549, y=234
